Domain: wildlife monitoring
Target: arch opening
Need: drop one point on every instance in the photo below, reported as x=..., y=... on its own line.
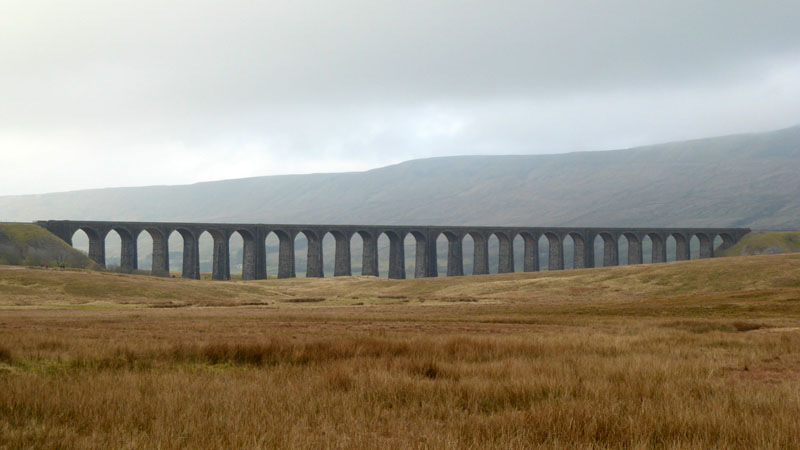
x=179, y=240
x=272, y=256
x=357, y=242
x=647, y=249
x=300, y=241
x=384, y=244
x=80, y=241
x=450, y=254
x=494, y=252
x=694, y=247
x=623, y=248
x=112, y=244
x=205, y=254
x=144, y=251
x=572, y=260
x=671, y=244
x=468, y=253
x=242, y=254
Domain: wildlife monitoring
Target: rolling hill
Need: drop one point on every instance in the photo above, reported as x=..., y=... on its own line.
x=25, y=244
x=743, y=180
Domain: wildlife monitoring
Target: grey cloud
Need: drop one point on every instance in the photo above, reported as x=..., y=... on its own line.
x=359, y=84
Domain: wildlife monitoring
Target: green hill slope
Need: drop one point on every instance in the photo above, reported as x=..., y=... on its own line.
x=766, y=243
x=31, y=245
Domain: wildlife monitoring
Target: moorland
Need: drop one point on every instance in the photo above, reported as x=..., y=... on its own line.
x=695, y=354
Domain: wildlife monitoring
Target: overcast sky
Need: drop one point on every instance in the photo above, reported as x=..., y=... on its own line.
x=116, y=93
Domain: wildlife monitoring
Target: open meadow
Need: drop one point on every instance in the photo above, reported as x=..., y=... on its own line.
x=697, y=354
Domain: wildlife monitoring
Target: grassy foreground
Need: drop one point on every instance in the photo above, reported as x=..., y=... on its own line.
x=700, y=354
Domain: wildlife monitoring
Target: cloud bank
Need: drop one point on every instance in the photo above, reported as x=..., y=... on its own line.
x=98, y=94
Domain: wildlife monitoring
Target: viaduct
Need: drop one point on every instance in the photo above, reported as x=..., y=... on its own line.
x=254, y=265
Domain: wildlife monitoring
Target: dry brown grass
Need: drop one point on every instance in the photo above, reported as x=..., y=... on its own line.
x=707, y=355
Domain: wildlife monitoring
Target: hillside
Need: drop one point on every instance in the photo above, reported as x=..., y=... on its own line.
x=23, y=244
x=766, y=243
x=745, y=180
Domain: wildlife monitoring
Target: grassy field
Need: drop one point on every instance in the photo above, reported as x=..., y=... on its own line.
x=698, y=354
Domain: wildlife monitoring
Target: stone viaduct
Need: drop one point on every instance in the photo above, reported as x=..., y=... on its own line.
x=254, y=236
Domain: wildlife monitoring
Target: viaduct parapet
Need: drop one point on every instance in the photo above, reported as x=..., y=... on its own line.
x=254, y=266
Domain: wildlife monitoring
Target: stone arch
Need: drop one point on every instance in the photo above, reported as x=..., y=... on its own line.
x=97, y=242
x=647, y=249
x=530, y=252
x=397, y=258
x=342, y=259
x=314, y=258
x=505, y=253
x=706, y=245
x=727, y=241
x=191, y=252
x=159, y=258
x=254, y=264
x=286, y=256
x=480, y=256
x=582, y=250
x=555, y=251
x=425, y=258
x=369, y=253
x=610, y=249
x=682, y=249
x=455, y=253
x=659, y=248
x=129, y=250
x=220, y=253
x=635, y=253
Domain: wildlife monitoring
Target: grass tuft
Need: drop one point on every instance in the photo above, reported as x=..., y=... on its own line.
x=748, y=326
x=5, y=354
